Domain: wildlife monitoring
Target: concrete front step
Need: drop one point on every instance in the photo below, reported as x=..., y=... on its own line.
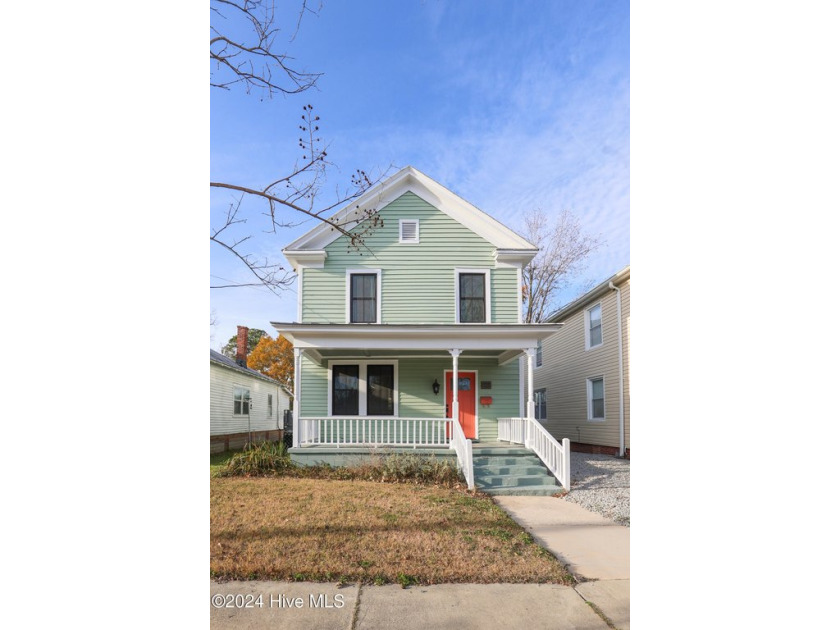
x=524, y=491
x=491, y=470
x=524, y=460
x=507, y=481
x=495, y=450
x=512, y=471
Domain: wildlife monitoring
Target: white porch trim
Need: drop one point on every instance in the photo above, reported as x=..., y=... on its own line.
x=530, y=354
x=507, y=340
x=296, y=411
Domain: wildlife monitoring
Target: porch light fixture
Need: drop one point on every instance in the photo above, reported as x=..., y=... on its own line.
x=436, y=387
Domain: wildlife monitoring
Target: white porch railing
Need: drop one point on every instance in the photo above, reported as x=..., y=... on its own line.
x=413, y=432
x=463, y=448
x=368, y=431
x=556, y=456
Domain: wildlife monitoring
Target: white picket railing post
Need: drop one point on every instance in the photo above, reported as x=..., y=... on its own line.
x=567, y=463
x=463, y=449
x=370, y=431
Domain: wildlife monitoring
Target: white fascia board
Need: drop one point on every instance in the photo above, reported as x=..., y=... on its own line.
x=501, y=337
x=406, y=180
x=306, y=258
x=518, y=258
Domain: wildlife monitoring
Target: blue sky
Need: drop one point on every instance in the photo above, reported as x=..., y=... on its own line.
x=512, y=105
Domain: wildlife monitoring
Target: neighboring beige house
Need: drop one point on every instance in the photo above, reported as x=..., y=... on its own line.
x=243, y=402
x=581, y=382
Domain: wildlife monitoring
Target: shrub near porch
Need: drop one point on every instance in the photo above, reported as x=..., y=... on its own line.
x=375, y=533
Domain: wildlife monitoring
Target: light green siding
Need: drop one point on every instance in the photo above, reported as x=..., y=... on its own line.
x=414, y=384
x=418, y=280
x=313, y=387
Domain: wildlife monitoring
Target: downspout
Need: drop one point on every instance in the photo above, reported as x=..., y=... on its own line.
x=620, y=373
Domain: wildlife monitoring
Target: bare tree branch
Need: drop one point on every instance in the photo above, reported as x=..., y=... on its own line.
x=254, y=63
x=563, y=252
x=243, y=49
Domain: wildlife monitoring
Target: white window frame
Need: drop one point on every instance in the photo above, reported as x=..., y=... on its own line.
x=270, y=406
x=247, y=391
x=544, y=391
x=487, y=296
x=416, y=239
x=589, y=381
x=363, y=385
x=538, y=355
x=586, y=326
x=351, y=272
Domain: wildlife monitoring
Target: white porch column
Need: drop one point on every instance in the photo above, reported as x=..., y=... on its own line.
x=296, y=412
x=530, y=353
x=455, y=409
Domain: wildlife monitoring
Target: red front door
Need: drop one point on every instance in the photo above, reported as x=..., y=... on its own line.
x=466, y=401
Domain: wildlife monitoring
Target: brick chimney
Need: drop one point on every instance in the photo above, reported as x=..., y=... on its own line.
x=242, y=345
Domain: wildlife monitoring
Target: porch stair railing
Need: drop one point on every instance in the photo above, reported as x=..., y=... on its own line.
x=463, y=448
x=555, y=455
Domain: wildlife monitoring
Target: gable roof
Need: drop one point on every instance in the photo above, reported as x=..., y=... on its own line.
x=590, y=295
x=220, y=359
x=409, y=179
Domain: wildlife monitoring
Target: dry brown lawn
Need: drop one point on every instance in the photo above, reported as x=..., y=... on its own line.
x=360, y=531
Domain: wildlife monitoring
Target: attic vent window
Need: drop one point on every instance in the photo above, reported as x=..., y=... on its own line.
x=409, y=230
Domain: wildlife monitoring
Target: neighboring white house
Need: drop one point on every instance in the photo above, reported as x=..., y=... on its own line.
x=243, y=402
x=582, y=378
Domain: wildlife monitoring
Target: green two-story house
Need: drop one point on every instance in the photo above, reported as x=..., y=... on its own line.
x=428, y=304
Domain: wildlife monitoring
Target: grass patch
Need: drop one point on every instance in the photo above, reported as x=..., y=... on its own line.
x=219, y=461
x=286, y=528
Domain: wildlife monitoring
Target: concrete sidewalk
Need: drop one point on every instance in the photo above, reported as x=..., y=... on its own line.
x=307, y=605
x=592, y=547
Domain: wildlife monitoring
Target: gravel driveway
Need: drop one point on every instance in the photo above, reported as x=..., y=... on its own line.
x=601, y=483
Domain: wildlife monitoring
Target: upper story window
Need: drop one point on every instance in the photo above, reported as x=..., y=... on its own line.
x=363, y=287
x=409, y=230
x=593, y=327
x=473, y=296
x=270, y=405
x=241, y=401
x=539, y=353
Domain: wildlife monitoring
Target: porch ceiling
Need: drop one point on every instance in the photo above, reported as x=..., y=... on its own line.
x=331, y=353
x=501, y=341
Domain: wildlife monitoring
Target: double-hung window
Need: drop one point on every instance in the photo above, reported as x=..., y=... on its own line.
x=539, y=353
x=363, y=389
x=241, y=401
x=473, y=297
x=593, y=327
x=363, y=296
x=270, y=405
x=595, y=398
x=540, y=404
